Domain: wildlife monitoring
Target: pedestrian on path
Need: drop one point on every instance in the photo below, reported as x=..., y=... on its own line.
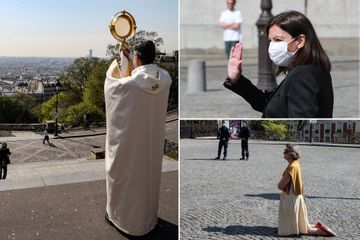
x=230, y=21
x=4, y=160
x=136, y=103
x=244, y=136
x=223, y=136
x=292, y=210
x=46, y=136
x=306, y=91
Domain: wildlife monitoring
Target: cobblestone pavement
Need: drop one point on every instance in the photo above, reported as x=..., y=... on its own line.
x=34, y=150
x=235, y=199
x=28, y=147
x=218, y=102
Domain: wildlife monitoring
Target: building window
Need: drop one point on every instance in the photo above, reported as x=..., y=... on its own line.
x=339, y=126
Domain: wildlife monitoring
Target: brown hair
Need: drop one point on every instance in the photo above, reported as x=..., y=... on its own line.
x=296, y=23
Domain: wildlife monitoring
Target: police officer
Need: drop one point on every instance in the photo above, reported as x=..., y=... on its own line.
x=223, y=136
x=244, y=135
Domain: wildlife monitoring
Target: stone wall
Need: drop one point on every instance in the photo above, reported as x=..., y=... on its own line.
x=22, y=127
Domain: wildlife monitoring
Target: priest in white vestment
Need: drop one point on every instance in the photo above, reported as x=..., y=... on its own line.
x=136, y=104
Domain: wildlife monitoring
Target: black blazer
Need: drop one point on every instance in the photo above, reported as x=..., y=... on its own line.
x=223, y=134
x=4, y=156
x=306, y=92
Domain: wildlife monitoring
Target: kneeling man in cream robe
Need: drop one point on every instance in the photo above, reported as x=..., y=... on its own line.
x=136, y=104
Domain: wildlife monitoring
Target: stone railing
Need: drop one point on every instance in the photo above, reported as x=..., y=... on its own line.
x=22, y=126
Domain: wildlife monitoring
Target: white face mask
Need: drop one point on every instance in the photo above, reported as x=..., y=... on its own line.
x=279, y=54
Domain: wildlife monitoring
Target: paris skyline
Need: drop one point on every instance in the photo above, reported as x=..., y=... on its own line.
x=43, y=28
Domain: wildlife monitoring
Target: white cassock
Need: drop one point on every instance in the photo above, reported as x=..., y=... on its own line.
x=135, y=131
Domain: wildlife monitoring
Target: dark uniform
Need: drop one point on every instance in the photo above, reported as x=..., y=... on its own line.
x=4, y=161
x=223, y=136
x=244, y=135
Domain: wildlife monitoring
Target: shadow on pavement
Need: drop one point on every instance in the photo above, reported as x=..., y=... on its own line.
x=164, y=230
x=268, y=196
x=337, y=198
x=213, y=159
x=244, y=230
x=276, y=196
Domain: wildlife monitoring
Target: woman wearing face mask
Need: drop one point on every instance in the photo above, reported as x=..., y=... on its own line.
x=306, y=91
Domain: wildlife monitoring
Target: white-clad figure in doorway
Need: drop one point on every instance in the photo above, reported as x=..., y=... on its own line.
x=136, y=103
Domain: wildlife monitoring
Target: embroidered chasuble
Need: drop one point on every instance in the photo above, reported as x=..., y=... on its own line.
x=136, y=107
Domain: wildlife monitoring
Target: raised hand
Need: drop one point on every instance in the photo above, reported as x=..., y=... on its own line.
x=126, y=52
x=235, y=61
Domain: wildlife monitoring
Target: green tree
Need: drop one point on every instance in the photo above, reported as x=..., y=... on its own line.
x=113, y=50
x=173, y=95
x=6, y=106
x=275, y=130
x=65, y=101
x=83, y=84
x=76, y=76
x=256, y=125
x=84, y=114
x=25, y=103
x=94, y=86
x=18, y=109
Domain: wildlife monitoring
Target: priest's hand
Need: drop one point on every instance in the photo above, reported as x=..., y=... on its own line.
x=235, y=61
x=126, y=52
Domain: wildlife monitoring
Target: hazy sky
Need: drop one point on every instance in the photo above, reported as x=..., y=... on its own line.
x=69, y=28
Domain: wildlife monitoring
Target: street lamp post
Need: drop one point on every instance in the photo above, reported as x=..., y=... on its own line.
x=56, y=112
x=266, y=80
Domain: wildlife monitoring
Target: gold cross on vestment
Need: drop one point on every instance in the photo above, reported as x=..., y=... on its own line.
x=155, y=87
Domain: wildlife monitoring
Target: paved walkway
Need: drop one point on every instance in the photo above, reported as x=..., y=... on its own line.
x=76, y=212
x=235, y=199
x=27, y=147
x=58, y=192
x=39, y=174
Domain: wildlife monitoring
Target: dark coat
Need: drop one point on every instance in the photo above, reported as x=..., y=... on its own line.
x=4, y=156
x=306, y=92
x=223, y=134
x=244, y=132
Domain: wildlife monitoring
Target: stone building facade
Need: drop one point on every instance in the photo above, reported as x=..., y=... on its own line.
x=200, y=31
